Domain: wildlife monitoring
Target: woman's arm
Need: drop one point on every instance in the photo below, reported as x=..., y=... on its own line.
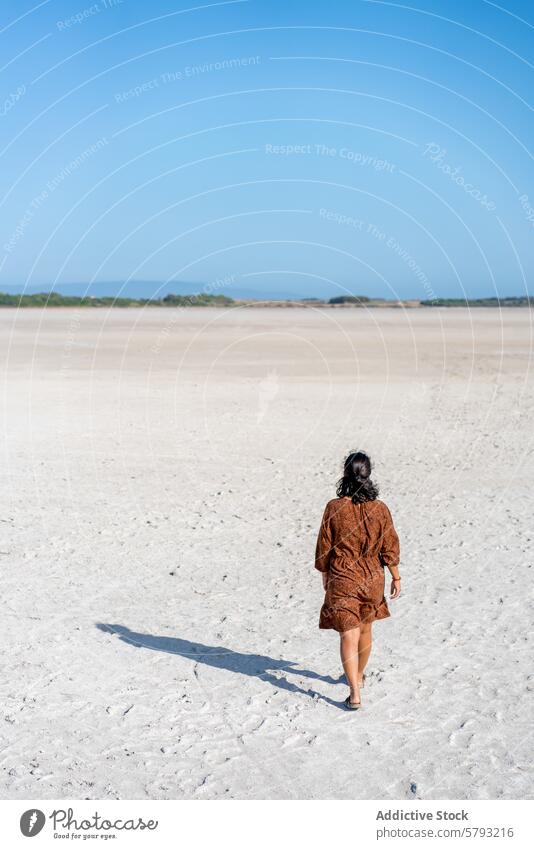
x=390, y=551
x=323, y=548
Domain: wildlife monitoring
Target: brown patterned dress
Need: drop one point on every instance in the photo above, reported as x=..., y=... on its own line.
x=355, y=542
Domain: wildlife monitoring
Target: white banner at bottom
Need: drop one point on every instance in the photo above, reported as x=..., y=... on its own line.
x=258, y=824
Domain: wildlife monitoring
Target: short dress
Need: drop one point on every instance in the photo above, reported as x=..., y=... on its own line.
x=355, y=542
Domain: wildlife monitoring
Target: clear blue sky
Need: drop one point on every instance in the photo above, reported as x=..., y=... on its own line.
x=280, y=147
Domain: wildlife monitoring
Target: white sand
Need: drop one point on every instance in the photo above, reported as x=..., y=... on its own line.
x=164, y=475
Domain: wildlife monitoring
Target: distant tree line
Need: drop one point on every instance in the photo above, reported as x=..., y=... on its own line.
x=521, y=301
x=349, y=299
x=54, y=299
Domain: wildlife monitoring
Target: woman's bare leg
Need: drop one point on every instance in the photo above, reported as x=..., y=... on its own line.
x=365, y=645
x=349, y=658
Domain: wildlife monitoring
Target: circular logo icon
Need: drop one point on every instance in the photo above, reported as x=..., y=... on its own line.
x=31, y=822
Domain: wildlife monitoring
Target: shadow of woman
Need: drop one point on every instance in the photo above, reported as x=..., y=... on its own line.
x=257, y=665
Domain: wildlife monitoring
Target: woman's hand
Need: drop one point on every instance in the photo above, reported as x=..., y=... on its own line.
x=395, y=587
x=325, y=579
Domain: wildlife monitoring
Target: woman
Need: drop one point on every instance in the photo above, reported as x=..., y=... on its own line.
x=356, y=540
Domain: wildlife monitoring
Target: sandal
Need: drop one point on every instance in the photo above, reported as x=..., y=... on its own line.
x=352, y=705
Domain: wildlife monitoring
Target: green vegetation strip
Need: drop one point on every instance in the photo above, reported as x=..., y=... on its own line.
x=54, y=299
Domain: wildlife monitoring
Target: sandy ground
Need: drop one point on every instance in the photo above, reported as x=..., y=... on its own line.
x=164, y=475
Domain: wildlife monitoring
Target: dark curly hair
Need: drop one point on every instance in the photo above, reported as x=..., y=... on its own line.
x=356, y=481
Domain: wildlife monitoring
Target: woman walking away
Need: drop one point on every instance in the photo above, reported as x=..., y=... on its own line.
x=356, y=540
